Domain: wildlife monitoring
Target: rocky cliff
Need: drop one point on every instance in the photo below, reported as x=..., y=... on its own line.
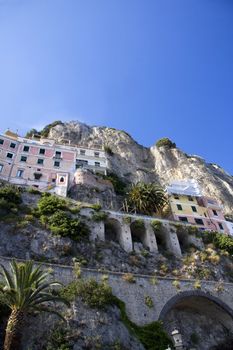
x=134, y=162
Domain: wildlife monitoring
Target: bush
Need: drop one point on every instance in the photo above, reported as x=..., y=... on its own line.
x=92, y=293
x=118, y=184
x=165, y=142
x=10, y=197
x=156, y=225
x=152, y=336
x=62, y=224
x=149, y=301
x=99, y=216
x=96, y=207
x=139, y=224
x=33, y=190
x=49, y=204
x=220, y=240
x=45, y=132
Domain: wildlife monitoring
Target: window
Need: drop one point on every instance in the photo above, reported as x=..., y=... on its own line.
x=62, y=179
x=42, y=151
x=97, y=154
x=9, y=155
x=26, y=149
x=97, y=164
x=37, y=176
x=190, y=198
x=1, y=141
x=179, y=207
x=194, y=209
x=40, y=161
x=183, y=218
x=220, y=226
x=56, y=164
x=215, y=212
x=199, y=221
x=19, y=173
x=58, y=155
x=23, y=159
x=80, y=163
x=1, y=168
x=82, y=151
x=176, y=197
x=53, y=180
x=12, y=145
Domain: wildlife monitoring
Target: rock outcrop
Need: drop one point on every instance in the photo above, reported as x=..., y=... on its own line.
x=134, y=162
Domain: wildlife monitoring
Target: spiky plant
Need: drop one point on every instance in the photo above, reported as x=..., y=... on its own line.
x=146, y=198
x=25, y=289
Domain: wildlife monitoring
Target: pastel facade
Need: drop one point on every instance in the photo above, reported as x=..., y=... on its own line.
x=38, y=162
x=189, y=206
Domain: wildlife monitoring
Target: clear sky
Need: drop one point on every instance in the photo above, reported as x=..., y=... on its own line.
x=155, y=68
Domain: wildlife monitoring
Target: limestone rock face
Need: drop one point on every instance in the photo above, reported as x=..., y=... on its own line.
x=133, y=162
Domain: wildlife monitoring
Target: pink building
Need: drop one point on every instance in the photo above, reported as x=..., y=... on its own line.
x=37, y=162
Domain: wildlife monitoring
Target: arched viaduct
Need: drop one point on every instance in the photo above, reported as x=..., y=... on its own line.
x=129, y=230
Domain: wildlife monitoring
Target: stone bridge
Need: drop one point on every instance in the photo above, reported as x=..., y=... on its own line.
x=129, y=229
x=210, y=300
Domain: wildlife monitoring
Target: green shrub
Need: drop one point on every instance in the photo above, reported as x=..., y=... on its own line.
x=139, y=224
x=49, y=204
x=220, y=240
x=33, y=190
x=96, y=207
x=10, y=197
x=45, y=132
x=149, y=301
x=127, y=220
x=92, y=293
x=165, y=142
x=152, y=336
x=118, y=184
x=99, y=216
x=58, y=339
x=62, y=224
x=156, y=225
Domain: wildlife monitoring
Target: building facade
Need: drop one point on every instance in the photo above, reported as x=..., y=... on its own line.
x=42, y=163
x=188, y=205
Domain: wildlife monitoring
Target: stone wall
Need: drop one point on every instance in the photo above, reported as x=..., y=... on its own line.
x=162, y=291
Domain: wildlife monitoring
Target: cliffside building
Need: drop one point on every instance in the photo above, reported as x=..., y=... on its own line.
x=188, y=205
x=44, y=164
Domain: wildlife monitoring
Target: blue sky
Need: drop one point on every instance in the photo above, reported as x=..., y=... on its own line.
x=154, y=68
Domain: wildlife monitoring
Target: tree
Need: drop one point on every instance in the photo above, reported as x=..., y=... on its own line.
x=165, y=142
x=25, y=289
x=146, y=198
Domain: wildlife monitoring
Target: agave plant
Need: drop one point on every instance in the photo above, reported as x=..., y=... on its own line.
x=146, y=198
x=25, y=289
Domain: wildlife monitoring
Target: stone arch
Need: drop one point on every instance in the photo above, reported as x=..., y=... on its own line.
x=201, y=314
x=112, y=230
x=183, y=239
x=160, y=236
x=138, y=233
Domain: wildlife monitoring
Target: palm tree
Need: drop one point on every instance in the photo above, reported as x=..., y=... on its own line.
x=25, y=289
x=146, y=198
